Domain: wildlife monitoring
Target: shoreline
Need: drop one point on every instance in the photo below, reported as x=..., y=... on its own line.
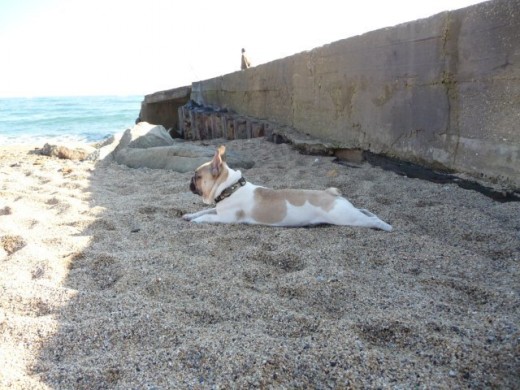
x=101, y=276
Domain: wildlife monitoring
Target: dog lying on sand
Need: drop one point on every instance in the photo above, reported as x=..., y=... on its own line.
x=238, y=201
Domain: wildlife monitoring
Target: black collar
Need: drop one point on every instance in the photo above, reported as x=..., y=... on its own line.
x=229, y=191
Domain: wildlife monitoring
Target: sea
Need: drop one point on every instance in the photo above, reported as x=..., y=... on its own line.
x=37, y=120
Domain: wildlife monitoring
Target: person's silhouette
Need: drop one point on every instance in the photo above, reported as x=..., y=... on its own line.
x=246, y=62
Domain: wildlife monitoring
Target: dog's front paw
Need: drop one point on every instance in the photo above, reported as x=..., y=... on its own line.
x=187, y=217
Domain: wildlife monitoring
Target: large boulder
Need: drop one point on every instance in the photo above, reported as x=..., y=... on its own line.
x=145, y=135
x=70, y=152
x=180, y=157
x=150, y=146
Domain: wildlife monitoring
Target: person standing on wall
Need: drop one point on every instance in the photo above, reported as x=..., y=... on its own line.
x=246, y=62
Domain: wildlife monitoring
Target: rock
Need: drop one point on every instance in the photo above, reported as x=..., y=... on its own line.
x=142, y=136
x=302, y=142
x=78, y=152
x=107, y=147
x=150, y=146
x=180, y=157
x=11, y=244
x=350, y=155
x=145, y=135
x=6, y=211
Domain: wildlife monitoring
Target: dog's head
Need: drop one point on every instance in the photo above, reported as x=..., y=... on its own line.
x=209, y=176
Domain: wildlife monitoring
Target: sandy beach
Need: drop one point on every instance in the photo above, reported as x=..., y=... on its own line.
x=104, y=286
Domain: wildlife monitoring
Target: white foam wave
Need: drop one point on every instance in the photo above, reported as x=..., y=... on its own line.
x=42, y=140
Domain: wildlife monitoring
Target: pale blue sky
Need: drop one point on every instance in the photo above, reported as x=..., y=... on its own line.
x=122, y=47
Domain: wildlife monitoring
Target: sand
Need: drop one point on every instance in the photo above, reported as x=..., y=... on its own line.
x=103, y=285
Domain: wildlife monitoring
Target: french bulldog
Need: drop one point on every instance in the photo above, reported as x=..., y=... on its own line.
x=239, y=201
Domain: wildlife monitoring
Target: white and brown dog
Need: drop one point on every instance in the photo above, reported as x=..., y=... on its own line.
x=238, y=201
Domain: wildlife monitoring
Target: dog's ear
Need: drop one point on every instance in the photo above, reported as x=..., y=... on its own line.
x=216, y=163
x=222, y=151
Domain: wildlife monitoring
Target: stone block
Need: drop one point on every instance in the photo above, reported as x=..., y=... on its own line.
x=230, y=127
x=257, y=129
x=240, y=128
x=216, y=125
x=350, y=155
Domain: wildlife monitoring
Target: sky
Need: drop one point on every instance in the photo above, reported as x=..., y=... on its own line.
x=130, y=47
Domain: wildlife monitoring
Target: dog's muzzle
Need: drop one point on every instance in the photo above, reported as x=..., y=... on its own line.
x=193, y=187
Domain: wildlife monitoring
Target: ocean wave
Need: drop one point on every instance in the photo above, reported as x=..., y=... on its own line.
x=65, y=119
x=40, y=140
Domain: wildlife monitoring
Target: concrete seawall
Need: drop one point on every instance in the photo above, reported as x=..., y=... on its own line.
x=443, y=92
x=161, y=107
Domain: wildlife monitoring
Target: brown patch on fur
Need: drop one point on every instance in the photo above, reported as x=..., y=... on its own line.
x=240, y=215
x=271, y=205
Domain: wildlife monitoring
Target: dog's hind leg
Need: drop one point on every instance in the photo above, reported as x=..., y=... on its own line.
x=346, y=214
x=374, y=221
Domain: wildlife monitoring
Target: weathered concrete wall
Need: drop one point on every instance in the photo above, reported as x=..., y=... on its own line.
x=443, y=91
x=162, y=107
